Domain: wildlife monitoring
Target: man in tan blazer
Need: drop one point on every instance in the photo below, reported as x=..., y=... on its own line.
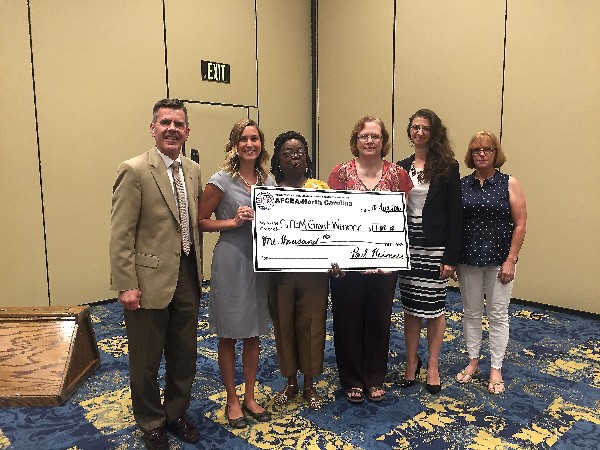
x=157, y=272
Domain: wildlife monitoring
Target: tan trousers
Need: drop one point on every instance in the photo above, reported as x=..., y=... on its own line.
x=298, y=306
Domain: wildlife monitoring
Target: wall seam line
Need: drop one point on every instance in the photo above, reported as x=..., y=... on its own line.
x=39, y=153
x=164, y=8
x=503, y=70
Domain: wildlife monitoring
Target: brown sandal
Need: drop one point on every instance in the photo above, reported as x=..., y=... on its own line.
x=466, y=375
x=496, y=387
x=315, y=401
x=284, y=396
x=376, y=398
x=354, y=395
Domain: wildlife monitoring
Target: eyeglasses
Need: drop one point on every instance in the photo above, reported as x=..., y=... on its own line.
x=485, y=150
x=294, y=153
x=365, y=137
x=417, y=128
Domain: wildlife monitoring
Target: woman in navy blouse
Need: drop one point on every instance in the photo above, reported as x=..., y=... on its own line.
x=494, y=222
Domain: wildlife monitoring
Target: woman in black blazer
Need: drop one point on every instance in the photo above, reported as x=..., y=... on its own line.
x=434, y=211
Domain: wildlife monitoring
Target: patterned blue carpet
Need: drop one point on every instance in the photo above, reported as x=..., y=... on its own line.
x=552, y=376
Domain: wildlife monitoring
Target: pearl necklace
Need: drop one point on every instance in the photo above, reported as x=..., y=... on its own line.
x=246, y=182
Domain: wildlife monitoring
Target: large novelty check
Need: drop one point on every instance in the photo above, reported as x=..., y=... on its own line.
x=306, y=230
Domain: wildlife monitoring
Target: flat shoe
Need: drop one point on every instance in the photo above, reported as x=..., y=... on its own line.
x=239, y=423
x=354, y=395
x=376, y=398
x=284, y=396
x=466, y=375
x=315, y=401
x=496, y=387
x=264, y=416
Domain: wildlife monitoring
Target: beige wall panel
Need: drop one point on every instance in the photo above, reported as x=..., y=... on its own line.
x=253, y=114
x=23, y=264
x=210, y=127
x=223, y=31
x=284, y=69
x=99, y=70
x=453, y=67
x=355, y=69
x=551, y=136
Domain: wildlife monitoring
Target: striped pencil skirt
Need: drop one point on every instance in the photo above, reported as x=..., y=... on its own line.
x=422, y=292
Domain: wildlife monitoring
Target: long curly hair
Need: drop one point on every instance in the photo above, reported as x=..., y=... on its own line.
x=232, y=159
x=279, y=141
x=440, y=158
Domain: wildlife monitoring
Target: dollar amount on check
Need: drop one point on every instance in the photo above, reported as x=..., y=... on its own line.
x=306, y=230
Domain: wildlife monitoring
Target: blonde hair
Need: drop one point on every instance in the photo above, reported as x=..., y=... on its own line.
x=232, y=159
x=499, y=156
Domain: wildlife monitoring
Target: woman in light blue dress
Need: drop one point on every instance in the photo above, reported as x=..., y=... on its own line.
x=238, y=296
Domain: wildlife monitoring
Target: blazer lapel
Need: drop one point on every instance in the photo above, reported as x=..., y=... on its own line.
x=406, y=163
x=433, y=188
x=159, y=172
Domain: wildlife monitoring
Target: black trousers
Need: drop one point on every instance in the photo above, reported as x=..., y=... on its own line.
x=362, y=310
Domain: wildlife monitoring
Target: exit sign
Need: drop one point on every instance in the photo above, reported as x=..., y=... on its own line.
x=215, y=71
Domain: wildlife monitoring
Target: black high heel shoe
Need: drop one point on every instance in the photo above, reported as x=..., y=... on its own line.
x=433, y=388
x=410, y=383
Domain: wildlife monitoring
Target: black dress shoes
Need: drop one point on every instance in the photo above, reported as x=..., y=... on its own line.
x=184, y=430
x=404, y=383
x=156, y=439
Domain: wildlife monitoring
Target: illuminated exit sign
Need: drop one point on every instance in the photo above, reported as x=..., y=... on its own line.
x=215, y=71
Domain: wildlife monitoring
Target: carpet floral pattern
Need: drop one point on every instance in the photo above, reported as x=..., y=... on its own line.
x=552, y=398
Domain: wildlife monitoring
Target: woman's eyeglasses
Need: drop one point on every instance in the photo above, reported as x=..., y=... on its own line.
x=294, y=153
x=485, y=150
x=365, y=137
x=417, y=128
